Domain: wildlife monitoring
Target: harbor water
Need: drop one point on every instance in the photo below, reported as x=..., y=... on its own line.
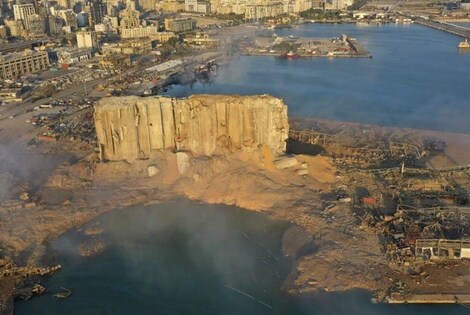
x=417, y=78
x=188, y=258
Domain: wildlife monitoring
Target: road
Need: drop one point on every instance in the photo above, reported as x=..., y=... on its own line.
x=16, y=109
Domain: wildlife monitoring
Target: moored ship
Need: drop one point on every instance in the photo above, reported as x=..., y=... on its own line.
x=464, y=44
x=291, y=54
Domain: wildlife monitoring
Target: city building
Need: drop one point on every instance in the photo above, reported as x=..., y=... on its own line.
x=302, y=5
x=465, y=5
x=16, y=64
x=131, y=4
x=136, y=47
x=129, y=18
x=68, y=56
x=53, y=25
x=138, y=32
x=180, y=24
x=111, y=21
x=114, y=61
x=83, y=19
x=111, y=9
x=69, y=17
x=318, y=4
x=337, y=4
x=67, y=29
x=87, y=39
x=15, y=27
x=101, y=28
x=64, y=4
x=201, y=39
x=229, y=6
x=163, y=37
x=22, y=11
x=260, y=11
x=147, y=5
x=36, y=25
x=170, y=6
x=197, y=6
x=97, y=11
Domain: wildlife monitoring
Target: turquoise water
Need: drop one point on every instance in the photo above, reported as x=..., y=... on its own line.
x=416, y=78
x=188, y=258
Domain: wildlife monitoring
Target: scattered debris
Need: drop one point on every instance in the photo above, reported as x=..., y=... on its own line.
x=63, y=294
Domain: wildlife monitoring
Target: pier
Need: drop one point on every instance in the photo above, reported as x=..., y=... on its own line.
x=432, y=298
x=294, y=47
x=445, y=27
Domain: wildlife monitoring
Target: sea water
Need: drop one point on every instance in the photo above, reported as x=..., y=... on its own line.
x=417, y=78
x=183, y=257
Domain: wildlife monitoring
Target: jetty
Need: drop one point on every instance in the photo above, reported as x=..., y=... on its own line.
x=294, y=47
x=438, y=298
x=445, y=27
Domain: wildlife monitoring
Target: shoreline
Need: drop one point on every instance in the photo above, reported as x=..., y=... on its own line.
x=85, y=178
x=267, y=54
x=449, y=20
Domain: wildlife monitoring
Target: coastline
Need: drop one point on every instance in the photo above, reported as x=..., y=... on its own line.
x=458, y=20
x=308, y=56
x=79, y=192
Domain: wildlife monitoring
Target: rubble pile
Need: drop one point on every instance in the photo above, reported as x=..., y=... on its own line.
x=78, y=77
x=20, y=282
x=72, y=122
x=367, y=147
x=118, y=85
x=420, y=213
x=81, y=128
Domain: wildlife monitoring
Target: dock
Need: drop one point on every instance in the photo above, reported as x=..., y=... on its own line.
x=432, y=298
x=445, y=27
x=294, y=47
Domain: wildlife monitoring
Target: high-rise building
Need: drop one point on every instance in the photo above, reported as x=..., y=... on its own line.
x=111, y=9
x=259, y=11
x=138, y=32
x=83, y=18
x=53, y=25
x=21, y=11
x=170, y=6
x=197, y=6
x=148, y=5
x=129, y=18
x=97, y=11
x=131, y=5
x=16, y=64
x=69, y=17
x=36, y=25
x=87, y=39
